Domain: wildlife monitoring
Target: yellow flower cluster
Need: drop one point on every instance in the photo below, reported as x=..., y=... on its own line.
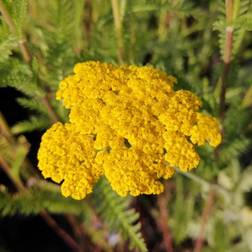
x=126, y=123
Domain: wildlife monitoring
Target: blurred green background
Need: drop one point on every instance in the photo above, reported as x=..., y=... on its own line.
x=207, y=45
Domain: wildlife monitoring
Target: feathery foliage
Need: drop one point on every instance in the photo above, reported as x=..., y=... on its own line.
x=117, y=214
x=34, y=201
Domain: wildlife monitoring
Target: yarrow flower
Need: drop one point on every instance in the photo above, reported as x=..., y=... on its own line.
x=125, y=123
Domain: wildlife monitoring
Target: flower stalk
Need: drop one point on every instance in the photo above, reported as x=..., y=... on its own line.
x=162, y=202
x=118, y=29
x=227, y=57
x=204, y=220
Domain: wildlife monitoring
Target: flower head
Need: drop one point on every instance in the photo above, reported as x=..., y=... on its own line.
x=126, y=123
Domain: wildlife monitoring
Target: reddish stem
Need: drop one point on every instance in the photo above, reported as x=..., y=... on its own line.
x=163, y=221
x=204, y=220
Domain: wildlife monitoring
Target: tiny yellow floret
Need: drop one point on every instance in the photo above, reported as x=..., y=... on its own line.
x=126, y=123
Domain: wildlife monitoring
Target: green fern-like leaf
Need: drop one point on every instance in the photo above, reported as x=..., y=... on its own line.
x=7, y=43
x=248, y=22
x=32, y=104
x=34, y=123
x=222, y=8
x=35, y=201
x=19, y=76
x=63, y=18
x=62, y=38
x=116, y=213
x=244, y=6
x=239, y=33
x=234, y=149
x=19, y=14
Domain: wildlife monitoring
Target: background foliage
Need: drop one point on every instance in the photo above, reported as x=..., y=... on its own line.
x=205, y=44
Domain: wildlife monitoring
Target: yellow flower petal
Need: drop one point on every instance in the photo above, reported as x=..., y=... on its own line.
x=127, y=123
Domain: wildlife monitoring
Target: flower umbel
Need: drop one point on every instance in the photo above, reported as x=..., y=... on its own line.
x=126, y=123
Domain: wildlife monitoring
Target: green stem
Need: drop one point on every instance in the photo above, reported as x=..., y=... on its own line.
x=15, y=180
x=236, y=8
x=229, y=11
x=118, y=29
x=206, y=184
x=227, y=57
x=51, y=113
